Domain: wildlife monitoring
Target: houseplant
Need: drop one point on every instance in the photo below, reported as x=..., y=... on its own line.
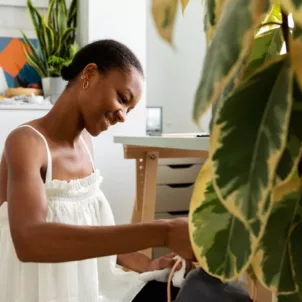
x=245, y=213
x=56, y=33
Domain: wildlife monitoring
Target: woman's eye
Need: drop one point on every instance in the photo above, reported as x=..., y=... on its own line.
x=122, y=99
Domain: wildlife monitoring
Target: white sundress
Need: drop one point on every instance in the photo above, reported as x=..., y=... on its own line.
x=77, y=202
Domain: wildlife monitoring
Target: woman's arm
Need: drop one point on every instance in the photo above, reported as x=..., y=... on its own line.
x=36, y=240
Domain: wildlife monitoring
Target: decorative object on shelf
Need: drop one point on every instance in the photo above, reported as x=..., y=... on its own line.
x=246, y=209
x=154, y=120
x=12, y=92
x=56, y=35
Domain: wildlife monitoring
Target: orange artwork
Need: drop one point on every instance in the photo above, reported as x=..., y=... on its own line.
x=12, y=58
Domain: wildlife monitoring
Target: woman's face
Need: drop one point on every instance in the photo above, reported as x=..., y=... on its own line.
x=108, y=98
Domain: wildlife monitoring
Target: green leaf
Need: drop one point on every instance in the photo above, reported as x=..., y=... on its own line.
x=295, y=297
x=295, y=245
x=293, y=7
x=274, y=15
x=72, y=14
x=271, y=262
x=225, y=54
x=213, y=10
x=296, y=53
x=37, y=22
x=33, y=57
x=61, y=16
x=258, y=123
x=184, y=4
x=221, y=242
x=51, y=11
x=266, y=46
x=293, y=151
x=63, y=46
x=164, y=15
x=32, y=61
x=49, y=38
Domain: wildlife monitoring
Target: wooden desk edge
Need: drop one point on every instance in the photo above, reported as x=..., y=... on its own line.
x=132, y=152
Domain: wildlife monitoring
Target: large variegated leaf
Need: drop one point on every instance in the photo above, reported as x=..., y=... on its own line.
x=221, y=243
x=295, y=297
x=296, y=54
x=274, y=15
x=266, y=46
x=213, y=10
x=164, y=15
x=184, y=4
x=296, y=252
x=248, y=138
x=226, y=53
x=293, y=7
x=293, y=151
x=271, y=262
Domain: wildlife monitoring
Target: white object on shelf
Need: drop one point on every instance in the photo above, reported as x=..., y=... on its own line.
x=53, y=87
x=3, y=83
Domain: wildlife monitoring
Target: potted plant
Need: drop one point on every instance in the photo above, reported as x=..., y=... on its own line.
x=56, y=33
x=246, y=210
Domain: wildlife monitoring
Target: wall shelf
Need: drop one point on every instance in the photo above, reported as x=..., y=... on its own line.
x=26, y=107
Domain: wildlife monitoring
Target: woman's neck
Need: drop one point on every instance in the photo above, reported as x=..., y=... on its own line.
x=64, y=122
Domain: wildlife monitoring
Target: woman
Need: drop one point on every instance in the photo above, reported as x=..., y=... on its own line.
x=57, y=233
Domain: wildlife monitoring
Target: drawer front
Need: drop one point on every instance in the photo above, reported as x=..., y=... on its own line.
x=173, y=198
x=180, y=161
x=177, y=174
x=162, y=251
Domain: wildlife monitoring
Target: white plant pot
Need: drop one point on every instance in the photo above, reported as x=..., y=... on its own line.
x=53, y=87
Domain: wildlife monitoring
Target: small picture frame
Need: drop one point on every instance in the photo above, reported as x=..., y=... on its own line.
x=154, y=120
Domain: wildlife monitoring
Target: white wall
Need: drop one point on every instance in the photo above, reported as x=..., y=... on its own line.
x=173, y=76
x=125, y=21
x=14, y=17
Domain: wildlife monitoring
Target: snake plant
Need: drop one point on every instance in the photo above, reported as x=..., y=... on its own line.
x=56, y=34
x=246, y=209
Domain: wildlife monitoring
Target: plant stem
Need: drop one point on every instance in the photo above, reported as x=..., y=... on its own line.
x=285, y=30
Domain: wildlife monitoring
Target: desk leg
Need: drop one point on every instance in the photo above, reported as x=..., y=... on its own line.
x=146, y=174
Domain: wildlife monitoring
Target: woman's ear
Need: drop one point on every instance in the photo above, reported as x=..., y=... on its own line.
x=89, y=70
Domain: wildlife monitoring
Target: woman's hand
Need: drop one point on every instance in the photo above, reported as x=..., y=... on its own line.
x=168, y=261
x=177, y=238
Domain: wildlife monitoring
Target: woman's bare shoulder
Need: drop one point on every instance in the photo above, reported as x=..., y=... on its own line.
x=23, y=144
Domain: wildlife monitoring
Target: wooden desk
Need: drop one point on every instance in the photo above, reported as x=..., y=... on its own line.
x=146, y=150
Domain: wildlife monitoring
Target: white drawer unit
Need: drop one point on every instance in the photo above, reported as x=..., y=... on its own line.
x=173, y=198
x=175, y=185
x=177, y=173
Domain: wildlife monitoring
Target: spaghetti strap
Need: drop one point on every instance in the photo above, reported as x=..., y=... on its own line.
x=89, y=153
x=49, y=158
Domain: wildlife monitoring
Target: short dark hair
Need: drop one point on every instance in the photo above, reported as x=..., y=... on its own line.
x=106, y=54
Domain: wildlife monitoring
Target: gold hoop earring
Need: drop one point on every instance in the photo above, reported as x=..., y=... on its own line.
x=85, y=84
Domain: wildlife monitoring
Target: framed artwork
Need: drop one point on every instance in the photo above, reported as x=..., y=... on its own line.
x=14, y=69
x=154, y=120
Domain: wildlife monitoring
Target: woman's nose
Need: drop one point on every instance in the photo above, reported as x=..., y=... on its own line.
x=121, y=116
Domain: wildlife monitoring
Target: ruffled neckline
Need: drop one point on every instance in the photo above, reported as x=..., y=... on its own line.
x=75, y=184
